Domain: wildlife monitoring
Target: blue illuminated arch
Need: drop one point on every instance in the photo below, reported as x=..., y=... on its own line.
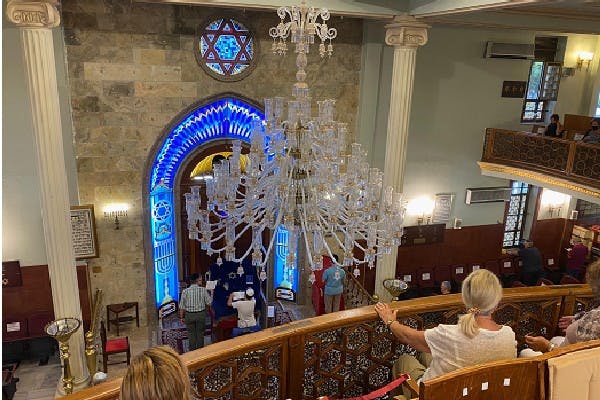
x=225, y=118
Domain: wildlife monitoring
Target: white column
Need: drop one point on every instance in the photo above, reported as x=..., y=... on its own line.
x=36, y=18
x=406, y=34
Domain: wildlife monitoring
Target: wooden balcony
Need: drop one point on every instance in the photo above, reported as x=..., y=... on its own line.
x=566, y=164
x=348, y=353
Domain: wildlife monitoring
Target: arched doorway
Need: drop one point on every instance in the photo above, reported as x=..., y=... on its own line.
x=223, y=117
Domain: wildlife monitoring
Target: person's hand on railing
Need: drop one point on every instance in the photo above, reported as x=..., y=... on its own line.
x=385, y=312
x=564, y=322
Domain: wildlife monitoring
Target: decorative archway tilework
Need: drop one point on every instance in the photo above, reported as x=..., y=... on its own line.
x=225, y=118
x=226, y=49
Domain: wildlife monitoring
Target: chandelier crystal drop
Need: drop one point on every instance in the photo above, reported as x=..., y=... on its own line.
x=299, y=174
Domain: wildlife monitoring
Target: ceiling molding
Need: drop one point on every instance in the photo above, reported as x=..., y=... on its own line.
x=355, y=9
x=559, y=13
x=591, y=28
x=428, y=8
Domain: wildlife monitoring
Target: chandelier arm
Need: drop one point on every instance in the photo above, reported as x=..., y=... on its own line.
x=277, y=223
x=303, y=223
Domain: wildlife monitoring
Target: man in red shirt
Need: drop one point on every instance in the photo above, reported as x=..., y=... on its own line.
x=577, y=256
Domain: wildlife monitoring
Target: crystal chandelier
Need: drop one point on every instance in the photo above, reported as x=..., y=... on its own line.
x=298, y=174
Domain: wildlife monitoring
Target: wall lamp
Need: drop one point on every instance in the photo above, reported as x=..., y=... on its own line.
x=555, y=201
x=114, y=211
x=422, y=208
x=584, y=57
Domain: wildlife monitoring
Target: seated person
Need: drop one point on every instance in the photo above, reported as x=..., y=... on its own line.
x=579, y=328
x=592, y=136
x=554, y=128
x=445, y=287
x=157, y=374
x=475, y=340
x=245, y=309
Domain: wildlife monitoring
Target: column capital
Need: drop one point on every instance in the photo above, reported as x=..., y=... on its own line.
x=406, y=31
x=33, y=14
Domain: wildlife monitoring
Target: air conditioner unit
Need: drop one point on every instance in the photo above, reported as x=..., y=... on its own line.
x=515, y=51
x=487, y=195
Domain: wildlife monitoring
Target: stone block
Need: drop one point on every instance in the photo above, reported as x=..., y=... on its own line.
x=171, y=89
x=165, y=73
x=75, y=70
x=79, y=20
x=121, y=118
x=155, y=119
x=155, y=41
x=172, y=105
x=104, y=71
x=90, y=150
x=81, y=88
x=117, y=89
x=85, y=164
x=87, y=120
x=87, y=104
x=149, y=56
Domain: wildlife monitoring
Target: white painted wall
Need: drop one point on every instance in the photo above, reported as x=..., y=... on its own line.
x=578, y=93
x=22, y=227
x=456, y=97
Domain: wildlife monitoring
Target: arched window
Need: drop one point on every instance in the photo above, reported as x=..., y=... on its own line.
x=224, y=118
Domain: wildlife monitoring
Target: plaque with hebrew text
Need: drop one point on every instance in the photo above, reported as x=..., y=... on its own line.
x=85, y=243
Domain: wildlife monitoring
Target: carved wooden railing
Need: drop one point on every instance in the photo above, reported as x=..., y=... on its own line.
x=574, y=161
x=347, y=353
x=355, y=294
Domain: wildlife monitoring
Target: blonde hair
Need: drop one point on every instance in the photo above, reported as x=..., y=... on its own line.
x=158, y=373
x=592, y=277
x=481, y=293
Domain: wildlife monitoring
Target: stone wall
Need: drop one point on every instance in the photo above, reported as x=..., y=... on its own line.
x=131, y=70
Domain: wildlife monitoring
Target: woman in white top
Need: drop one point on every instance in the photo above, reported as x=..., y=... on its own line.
x=476, y=339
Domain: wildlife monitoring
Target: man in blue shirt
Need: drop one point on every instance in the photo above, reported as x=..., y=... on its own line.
x=333, y=278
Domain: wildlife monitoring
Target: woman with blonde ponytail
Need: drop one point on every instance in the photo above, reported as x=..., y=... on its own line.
x=475, y=340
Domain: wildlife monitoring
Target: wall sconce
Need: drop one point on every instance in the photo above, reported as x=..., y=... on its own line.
x=114, y=211
x=422, y=208
x=584, y=57
x=555, y=201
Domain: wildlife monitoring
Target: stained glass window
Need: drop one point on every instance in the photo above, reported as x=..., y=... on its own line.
x=515, y=215
x=226, y=49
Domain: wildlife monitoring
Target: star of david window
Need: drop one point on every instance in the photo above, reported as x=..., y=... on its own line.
x=226, y=50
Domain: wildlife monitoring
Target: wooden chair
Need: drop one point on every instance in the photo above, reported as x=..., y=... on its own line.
x=573, y=372
x=113, y=346
x=517, y=378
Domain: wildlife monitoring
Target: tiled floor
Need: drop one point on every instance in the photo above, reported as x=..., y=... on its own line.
x=40, y=382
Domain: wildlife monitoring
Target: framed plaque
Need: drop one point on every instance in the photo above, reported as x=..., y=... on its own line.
x=83, y=227
x=443, y=207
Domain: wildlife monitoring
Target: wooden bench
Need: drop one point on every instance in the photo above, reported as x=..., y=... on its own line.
x=520, y=378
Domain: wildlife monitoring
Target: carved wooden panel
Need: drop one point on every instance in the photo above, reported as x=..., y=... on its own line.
x=258, y=374
x=538, y=151
x=586, y=162
x=355, y=360
x=349, y=361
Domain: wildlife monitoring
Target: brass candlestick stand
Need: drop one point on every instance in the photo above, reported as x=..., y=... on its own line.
x=90, y=336
x=395, y=287
x=62, y=330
